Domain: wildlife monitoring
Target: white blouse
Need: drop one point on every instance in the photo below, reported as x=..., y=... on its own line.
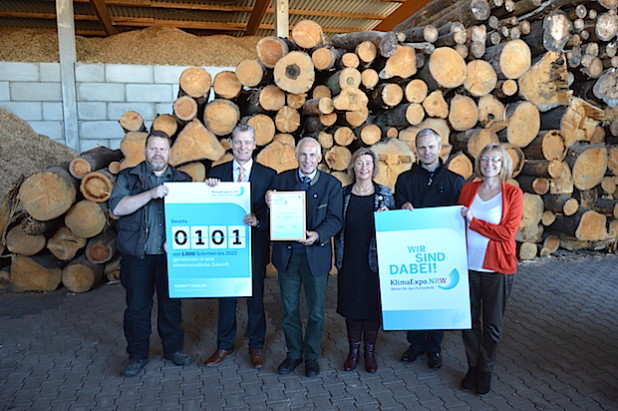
x=490, y=211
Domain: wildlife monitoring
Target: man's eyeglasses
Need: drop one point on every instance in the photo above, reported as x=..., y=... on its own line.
x=492, y=159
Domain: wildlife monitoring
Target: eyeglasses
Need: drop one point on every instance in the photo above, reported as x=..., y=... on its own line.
x=492, y=159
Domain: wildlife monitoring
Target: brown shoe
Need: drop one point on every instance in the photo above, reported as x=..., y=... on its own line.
x=217, y=357
x=257, y=361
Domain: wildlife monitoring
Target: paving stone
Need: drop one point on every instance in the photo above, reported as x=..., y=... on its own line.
x=557, y=352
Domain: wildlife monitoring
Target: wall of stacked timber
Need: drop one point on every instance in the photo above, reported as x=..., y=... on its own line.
x=524, y=73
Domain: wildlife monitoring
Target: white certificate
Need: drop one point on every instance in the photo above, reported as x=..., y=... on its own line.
x=287, y=216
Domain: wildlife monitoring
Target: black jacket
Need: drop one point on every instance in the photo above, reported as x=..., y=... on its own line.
x=425, y=189
x=261, y=179
x=132, y=228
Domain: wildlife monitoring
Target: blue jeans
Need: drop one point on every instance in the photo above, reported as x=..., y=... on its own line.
x=140, y=278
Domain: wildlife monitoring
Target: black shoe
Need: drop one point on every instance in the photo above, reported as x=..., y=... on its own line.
x=471, y=378
x=484, y=383
x=288, y=365
x=433, y=360
x=179, y=358
x=134, y=367
x=410, y=354
x=312, y=368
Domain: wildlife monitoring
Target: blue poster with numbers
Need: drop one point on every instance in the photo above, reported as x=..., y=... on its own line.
x=423, y=267
x=208, y=244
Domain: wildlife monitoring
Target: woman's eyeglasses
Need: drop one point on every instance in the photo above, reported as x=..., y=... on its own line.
x=492, y=159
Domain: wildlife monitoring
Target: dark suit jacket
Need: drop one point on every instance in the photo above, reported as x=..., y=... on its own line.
x=324, y=215
x=261, y=179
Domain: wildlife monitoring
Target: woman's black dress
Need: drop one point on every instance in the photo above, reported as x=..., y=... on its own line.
x=358, y=286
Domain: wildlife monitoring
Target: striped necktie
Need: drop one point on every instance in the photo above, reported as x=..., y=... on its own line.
x=241, y=174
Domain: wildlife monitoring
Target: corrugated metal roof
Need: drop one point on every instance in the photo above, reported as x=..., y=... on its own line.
x=199, y=16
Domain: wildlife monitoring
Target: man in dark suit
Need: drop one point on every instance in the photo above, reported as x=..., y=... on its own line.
x=306, y=263
x=244, y=169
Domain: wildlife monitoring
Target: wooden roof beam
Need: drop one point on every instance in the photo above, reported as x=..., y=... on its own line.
x=104, y=17
x=404, y=11
x=257, y=14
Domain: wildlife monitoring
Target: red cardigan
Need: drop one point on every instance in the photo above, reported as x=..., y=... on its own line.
x=501, y=255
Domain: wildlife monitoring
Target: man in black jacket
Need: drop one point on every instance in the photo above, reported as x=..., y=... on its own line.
x=137, y=199
x=428, y=184
x=306, y=263
x=243, y=169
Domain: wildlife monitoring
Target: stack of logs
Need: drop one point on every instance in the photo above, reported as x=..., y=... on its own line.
x=538, y=76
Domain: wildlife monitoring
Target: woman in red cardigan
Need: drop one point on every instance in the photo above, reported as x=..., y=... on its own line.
x=493, y=210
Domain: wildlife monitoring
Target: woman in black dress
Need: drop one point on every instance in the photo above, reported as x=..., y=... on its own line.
x=357, y=260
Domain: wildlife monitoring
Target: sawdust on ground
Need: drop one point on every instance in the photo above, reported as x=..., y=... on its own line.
x=160, y=45
x=24, y=151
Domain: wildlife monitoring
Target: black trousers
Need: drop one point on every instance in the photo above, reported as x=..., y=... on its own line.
x=140, y=278
x=256, y=322
x=488, y=295
x=426, y=341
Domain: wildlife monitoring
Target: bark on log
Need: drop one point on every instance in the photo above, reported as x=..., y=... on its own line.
x=547, y=145
x=48, y=194
x=416, y=91
x=271, y=49
x=86, y=218
x=37, y=273
x=463, y=113
x=97, y=186
x=446, y=69
x=64, y=245
x=93, y=159
x=166, y=123
x=435, y=105
x=294, y=72
x=132, y=121
x=491, y=111
x=81, y=275
x=307, y=34
x=585, y=225
x=101, y=248
x=195, y=142
x=543, y=168
x=561, y=203
x=112, y=269
x=251, y=73
x=472, y=141
x=511, y=59
x=226, y=85
x=185, y=109
x=21, y=243
x=386, y=42
x=546, y=83
x=401, y=64
x=532, y=184
x=195, y=82
x=524, y=123
x=588, y=164
x=461, y=164
x=220, y=117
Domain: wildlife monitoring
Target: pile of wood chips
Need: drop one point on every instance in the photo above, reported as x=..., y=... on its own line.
x=160, y=45
x=24, y=151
